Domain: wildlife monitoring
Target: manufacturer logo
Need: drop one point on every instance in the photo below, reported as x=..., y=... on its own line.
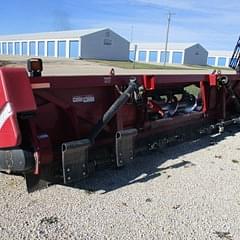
x=5, y=113
x=83, y=99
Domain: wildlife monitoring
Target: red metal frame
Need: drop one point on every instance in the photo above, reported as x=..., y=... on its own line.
x=66, y=108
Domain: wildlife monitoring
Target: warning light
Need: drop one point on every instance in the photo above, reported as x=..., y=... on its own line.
x=35, y=67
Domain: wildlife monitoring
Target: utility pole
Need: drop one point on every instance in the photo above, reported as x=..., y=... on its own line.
x=170, y=14
x=135, y=47
x=131, y=34
x=135, y=55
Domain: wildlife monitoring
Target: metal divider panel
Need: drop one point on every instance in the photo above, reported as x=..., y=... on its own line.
x=125, y=146
x=75, y=160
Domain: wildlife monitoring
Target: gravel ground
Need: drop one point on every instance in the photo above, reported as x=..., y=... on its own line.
x=190, y=191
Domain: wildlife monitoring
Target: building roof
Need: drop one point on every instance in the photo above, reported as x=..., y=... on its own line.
x=161, y=46
x=51, y=35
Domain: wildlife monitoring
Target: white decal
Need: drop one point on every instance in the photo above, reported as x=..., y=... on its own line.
x=42, y=136
x=5, y=113
x=107, y=79
x=83, y=99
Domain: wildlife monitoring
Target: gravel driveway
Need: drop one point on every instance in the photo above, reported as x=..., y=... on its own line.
x=58, y=67
x=190, y=191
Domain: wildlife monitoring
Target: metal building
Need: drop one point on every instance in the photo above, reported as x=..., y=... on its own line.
x=177, y=53
x=86, y=44
x=219, y=58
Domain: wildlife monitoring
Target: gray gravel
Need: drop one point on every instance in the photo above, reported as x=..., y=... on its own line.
x=190, y=191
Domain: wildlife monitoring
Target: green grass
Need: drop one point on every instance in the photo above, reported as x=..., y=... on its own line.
x=210, y=67
x=138, y=65
x=192, y=89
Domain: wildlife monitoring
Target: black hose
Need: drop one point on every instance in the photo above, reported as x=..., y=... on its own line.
x=110, y=113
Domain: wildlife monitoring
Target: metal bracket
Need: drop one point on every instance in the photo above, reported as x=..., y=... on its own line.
x=125, y=146
x=75, y=160
x=35, y=183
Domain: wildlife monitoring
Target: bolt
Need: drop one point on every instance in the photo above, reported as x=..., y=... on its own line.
x=68, y=178
x=84, y=165
x=84, y=173
x=68, y=169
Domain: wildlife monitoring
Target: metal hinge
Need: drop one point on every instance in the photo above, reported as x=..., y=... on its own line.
x=125, y=146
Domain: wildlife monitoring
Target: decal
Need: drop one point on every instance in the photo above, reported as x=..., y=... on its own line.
x=107, y=79
x=40, y=85
x=83, y=99
x=42, y=136
x=5, y=113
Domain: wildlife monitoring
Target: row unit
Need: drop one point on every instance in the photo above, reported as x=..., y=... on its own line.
x=173, y=57
x=51, y=48
x=218, y=61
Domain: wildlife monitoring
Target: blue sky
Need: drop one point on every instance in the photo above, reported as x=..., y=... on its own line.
x=214, y=24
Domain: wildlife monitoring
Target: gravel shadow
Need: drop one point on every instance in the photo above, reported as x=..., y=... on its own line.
x=148, y=166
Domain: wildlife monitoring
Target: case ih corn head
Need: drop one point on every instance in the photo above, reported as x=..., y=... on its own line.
x=59, y=129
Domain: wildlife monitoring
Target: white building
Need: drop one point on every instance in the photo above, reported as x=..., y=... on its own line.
x=177, y=53
x=87, y=44
x=219, y=58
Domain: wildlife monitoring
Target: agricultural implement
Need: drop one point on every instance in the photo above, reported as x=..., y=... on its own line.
x=59, y=129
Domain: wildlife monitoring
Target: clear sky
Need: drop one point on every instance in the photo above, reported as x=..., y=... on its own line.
x=213, y=23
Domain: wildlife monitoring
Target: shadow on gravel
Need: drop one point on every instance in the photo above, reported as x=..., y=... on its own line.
x=148, y=166
x=4, y=63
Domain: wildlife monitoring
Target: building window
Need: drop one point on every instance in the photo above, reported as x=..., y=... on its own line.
x=142, y=57
x=61, y=48
x=17, y=48
x=162, y=57
x=24, y=48
x=177, y=57
x=50, y=48
x=41, y=49
x=107, y=34
x=4, y=48
x=222, y=61
x=211, y=61
x=32, y=48
x=107, y=42
x=10, y=48
x=74, y=49
x=131, y=55
x=153, y=56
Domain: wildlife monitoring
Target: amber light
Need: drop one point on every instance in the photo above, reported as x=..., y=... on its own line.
x=35, y=65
